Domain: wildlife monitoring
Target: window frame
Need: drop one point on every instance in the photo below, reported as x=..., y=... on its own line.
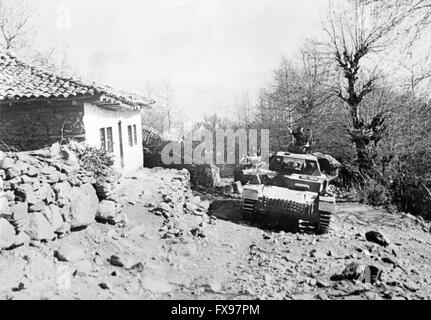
x=102, y=133
x=130, y=135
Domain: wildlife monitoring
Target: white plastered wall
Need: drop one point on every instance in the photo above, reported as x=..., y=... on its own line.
x=96, y=118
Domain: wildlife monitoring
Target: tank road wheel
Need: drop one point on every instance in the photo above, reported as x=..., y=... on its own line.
x=324, y=222
x=306, y=227
x=249, y=210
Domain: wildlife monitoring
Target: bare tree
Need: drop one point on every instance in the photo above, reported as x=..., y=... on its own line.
x=15, y=23
x=244, y=109
x=357, y=34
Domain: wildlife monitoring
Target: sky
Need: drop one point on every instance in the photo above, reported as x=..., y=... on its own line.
x=210, y=51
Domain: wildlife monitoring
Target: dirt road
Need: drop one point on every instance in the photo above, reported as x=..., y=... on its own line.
x=217, y=255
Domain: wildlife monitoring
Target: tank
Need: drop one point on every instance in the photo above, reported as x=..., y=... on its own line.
x=292, y=193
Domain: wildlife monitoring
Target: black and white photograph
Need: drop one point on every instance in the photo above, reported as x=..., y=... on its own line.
x=240, y=151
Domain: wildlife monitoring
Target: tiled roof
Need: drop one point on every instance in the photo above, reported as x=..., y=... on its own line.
x=20, y=81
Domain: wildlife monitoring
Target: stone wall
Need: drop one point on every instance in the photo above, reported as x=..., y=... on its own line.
x=36, y=125
x=43, y=196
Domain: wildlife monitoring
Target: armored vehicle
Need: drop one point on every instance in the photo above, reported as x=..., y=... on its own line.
x=293, y=192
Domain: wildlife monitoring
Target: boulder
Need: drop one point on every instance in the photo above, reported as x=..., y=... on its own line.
x=39, y=206
x=83, y=206
x=377, y=237
x=21, y=167
x=25, y=193
x=9, y=195
x=32, y=172
x=39, y=228
x=20, y=215
x=107, y=211
x=122, y=261
x=6, y=162
x=69, y=252
x=45, y=193
x=12, y=173
x=62, y=192
x=54, y=217
x=136, y=231
x=7, y=234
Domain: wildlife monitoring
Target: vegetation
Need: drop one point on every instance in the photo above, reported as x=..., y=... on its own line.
x=364, y=97
x=97, y=161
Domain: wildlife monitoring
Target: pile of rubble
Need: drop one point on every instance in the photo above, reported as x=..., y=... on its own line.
x=43, y=195
x=177, y=200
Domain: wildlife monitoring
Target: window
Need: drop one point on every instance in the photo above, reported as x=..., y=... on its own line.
x=106, y=139
x=129, y=129
x=135, y=134
x=110, y=140
x=103, y=139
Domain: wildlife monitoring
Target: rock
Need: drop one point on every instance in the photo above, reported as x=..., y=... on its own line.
x=214, y=286
x=74, y=181
x=64, y=229
x=123, y=261
x=198, y=233
x=83, y=206
x=104, y=286
x=411, y=286
x=7, y=234
x=377, y=237
x=6, y=163
x=113, y=234
x=62, y=193
x=322, y=284
x=20, y=215
x=83, y=267
x=45, y=193
x=9, y=195
x=156, y=285
x=54, y=217
x=39, y=206
x=12, y=173
x=69, y=252
x=5, y=211
x=389, y=260
x=22, y=238
x=106, y=211
x=355, y=271
x=136, y=231
x=25, y=193
x=318, y=254
x=164, y=207
x=32, y=172
x=121, y=219
x=39, y=228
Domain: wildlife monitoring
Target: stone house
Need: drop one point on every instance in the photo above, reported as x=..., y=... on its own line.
x=39, y=108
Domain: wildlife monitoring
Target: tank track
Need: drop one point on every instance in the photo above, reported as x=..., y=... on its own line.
x=322, y=227
x=324, y=224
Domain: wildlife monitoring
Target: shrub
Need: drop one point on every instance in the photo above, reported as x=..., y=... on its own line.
x=97, y=161
x=374, y=194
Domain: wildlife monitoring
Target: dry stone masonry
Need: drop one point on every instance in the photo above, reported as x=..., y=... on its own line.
x=44, y=195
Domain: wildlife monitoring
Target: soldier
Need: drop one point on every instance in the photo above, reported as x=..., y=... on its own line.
x=302, y=143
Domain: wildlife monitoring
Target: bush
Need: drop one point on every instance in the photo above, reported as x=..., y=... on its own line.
x=97, y=161
x=374, y=194
x=410, y=195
